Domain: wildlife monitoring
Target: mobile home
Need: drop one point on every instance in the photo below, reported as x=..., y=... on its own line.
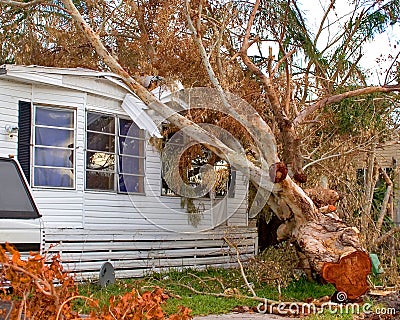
x=96, y=178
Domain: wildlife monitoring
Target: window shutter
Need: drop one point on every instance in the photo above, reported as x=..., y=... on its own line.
x=24, y=137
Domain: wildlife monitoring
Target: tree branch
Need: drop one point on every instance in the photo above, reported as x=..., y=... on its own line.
x=386, y=236
x=19, y=4
x=386, y=199
x=291, y=151
x=340, y=97
x=321, y=25
x=101, y=29
x=70, y=299
x=250, y=23
x=287, y=55
x=193, y=130
x=258, y=128
x=241, y=266
x=302, y=307
x=394, y=61
x=326, y=158
x=267, y=82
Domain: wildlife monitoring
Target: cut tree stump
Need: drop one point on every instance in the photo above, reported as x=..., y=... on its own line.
x=332, y=248
x=349, y=275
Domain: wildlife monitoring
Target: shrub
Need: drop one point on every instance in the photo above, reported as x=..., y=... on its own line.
x=41, y=289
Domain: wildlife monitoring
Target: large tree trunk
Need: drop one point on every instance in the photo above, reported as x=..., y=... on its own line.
x=326, y=241
x=332, y=248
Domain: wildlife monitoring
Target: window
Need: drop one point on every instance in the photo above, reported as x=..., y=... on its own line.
x=130, y=157
x=53, y=147
x=100, y=154
x=224, y=176
x=114, y=154
x=224, y=184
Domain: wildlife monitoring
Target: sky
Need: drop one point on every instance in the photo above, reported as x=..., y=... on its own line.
x=383, y=45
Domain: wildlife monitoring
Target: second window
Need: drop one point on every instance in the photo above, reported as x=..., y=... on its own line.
x=114, y=154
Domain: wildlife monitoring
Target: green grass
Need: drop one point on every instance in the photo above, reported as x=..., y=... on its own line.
x=329, y=316
x=209, y=280
x=302, y=289
x=204, y=305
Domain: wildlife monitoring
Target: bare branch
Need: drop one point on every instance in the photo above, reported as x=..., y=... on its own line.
x=256, y=125
x=386, y=236
x=329, y=157
x=395, y=60
x=237, y=54
x=68, y=300
x=372, y=175
x=21, y=4
x=386, y=199
x=283, y=59
x=271, y=92
x=321, y=25
x=240, y=266
x=291, y=152
x=101, y=29
x=352, y=68
x=291, y=311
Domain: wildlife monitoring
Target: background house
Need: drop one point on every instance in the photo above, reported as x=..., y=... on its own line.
x=388, y=157
x=97, y=180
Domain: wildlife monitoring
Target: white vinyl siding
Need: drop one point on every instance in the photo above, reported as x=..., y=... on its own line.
x=63, y=207
x=98, y=210
x=11, y=94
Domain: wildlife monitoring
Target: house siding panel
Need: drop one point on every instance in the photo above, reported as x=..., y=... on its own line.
x=58, y=96
x=141, y=232
x=10, y=95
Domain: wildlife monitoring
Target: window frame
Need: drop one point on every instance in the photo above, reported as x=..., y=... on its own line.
x=142, y=156
x=117, y=154
x=105, y=152
x=35, y=145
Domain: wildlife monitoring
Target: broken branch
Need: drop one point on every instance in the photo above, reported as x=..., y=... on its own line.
x=240, y=266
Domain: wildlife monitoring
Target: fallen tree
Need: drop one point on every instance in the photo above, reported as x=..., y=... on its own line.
x=331, y=246
x=328, y=243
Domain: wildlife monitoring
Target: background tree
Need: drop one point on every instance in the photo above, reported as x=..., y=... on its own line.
x=306, y=94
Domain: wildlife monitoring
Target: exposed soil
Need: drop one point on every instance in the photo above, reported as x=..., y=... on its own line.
x=391, y=302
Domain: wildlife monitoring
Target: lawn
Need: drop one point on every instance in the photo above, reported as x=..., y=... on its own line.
x=180, y=286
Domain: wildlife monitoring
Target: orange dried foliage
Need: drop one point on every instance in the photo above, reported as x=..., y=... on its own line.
x=331, y=208
x=41, y=289
x=133, y=305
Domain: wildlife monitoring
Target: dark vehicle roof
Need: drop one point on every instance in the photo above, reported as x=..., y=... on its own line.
x=16, y=201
